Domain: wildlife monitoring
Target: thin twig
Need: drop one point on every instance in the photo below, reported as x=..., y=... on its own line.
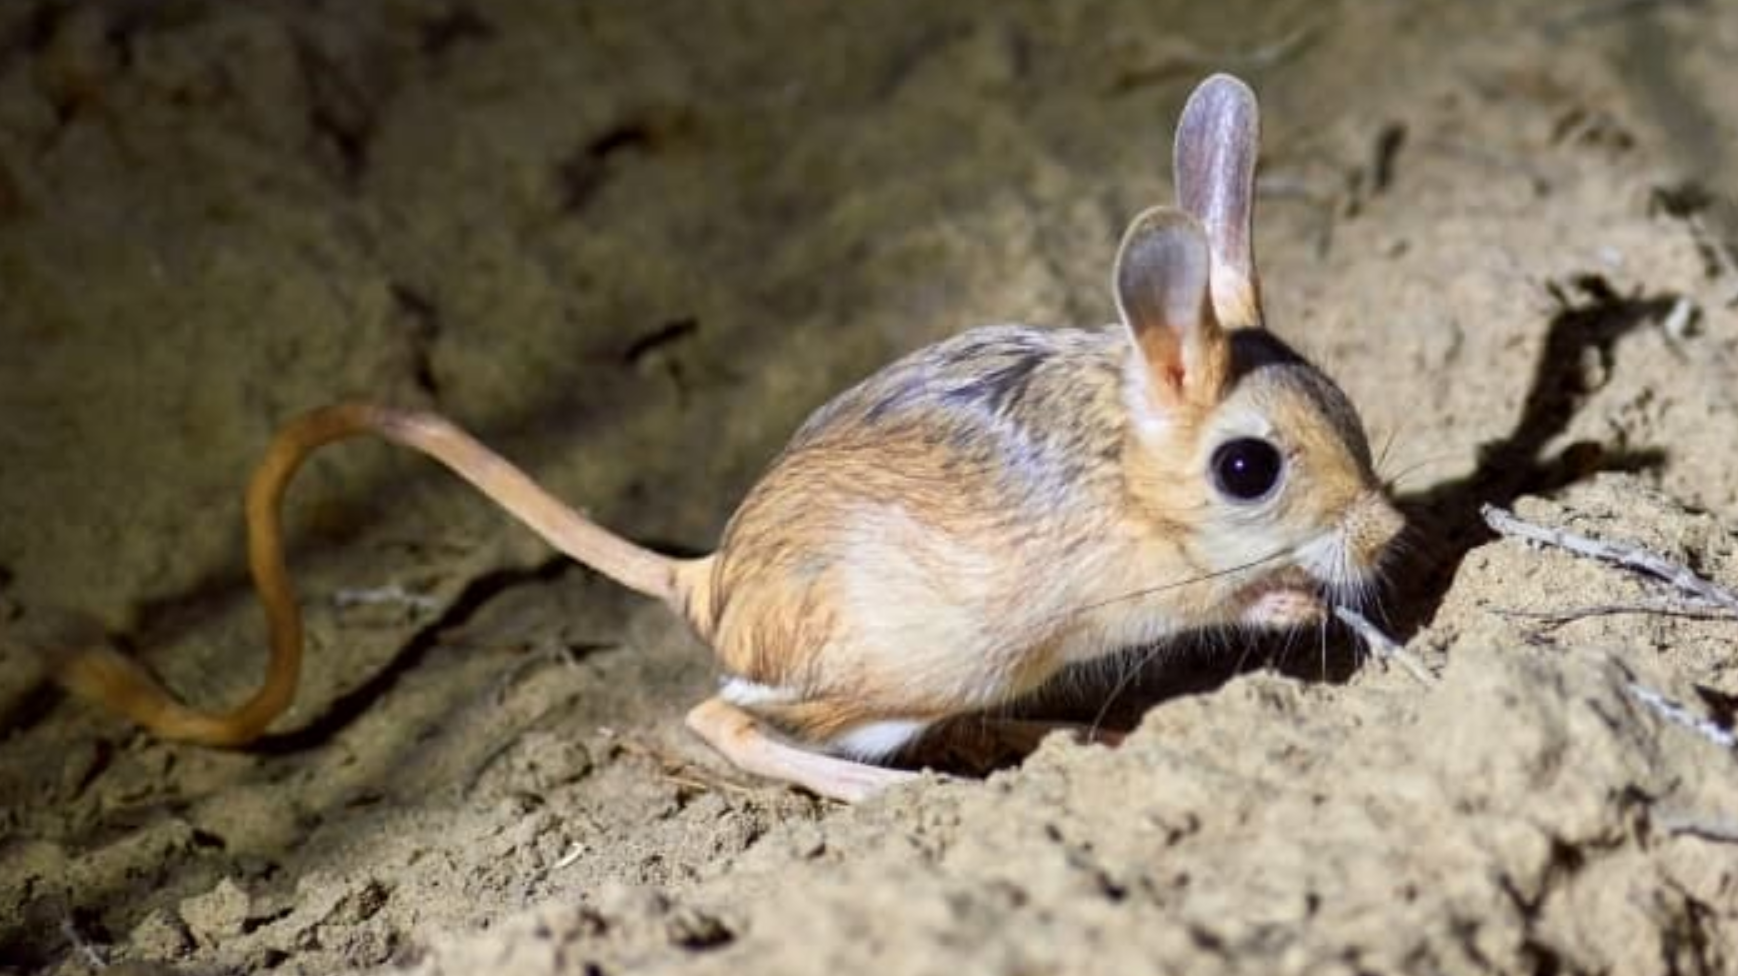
x=1273, y=52
x=572, y=857
x=1691, y=609
x=393, y=594
x=1678, y=322
x=92, y=956
x=1723, y=829
x=1381, y=644
x=1624, y=554
x=1677, y=714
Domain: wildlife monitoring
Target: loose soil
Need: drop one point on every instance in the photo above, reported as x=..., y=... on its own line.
x=632, y=245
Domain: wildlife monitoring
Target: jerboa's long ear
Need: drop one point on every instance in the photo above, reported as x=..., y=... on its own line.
x=1218, y=139
x=1163, y=270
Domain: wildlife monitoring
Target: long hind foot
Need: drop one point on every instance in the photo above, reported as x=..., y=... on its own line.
x=752, y=748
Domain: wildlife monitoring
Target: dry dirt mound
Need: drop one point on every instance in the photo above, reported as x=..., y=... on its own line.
x=632, y=245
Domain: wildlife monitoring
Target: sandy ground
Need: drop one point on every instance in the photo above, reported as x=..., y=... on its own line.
x=632, y=245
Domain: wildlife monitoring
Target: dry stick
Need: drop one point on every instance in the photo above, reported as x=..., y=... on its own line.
x=92, y=957
x=1633, y=557
x=1691, y=609
x=1677, y=714
x=1676, y=324
x=393, y=593
x=1723, y=829
x=1380, y=643
x=1623, y=554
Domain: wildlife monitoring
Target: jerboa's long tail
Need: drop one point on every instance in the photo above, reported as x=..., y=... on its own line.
x=121, y=684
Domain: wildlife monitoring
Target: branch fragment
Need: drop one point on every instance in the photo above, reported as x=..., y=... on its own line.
x=1381, y=644
x=1625, y=554
x=1677, y=714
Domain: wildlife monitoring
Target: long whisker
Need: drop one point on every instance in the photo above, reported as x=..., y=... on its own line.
x=1387, y=442
x=1392, y=481
x=1122, y=684
x=1322, y=643
x=1284, y=655
x=1247, y=647
x=1175, y=585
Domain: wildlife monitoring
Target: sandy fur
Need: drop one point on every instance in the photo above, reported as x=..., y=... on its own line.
x=950, y=533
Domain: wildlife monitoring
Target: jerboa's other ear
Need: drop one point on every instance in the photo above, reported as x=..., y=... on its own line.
x=1218, y=139
x=1163, y=270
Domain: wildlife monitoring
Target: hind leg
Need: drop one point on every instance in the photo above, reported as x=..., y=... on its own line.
x=753, y=748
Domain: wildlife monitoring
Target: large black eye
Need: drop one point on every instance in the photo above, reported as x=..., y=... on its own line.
x=1246, y=469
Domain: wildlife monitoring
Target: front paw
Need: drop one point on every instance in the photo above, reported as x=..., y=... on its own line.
x=1284, y=608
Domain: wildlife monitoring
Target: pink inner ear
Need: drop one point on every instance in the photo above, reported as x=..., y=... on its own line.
x=1161, y=349
x=1162, y=278
x=1187, y=365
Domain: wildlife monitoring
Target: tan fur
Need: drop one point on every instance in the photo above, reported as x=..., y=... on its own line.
x=848, y=566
